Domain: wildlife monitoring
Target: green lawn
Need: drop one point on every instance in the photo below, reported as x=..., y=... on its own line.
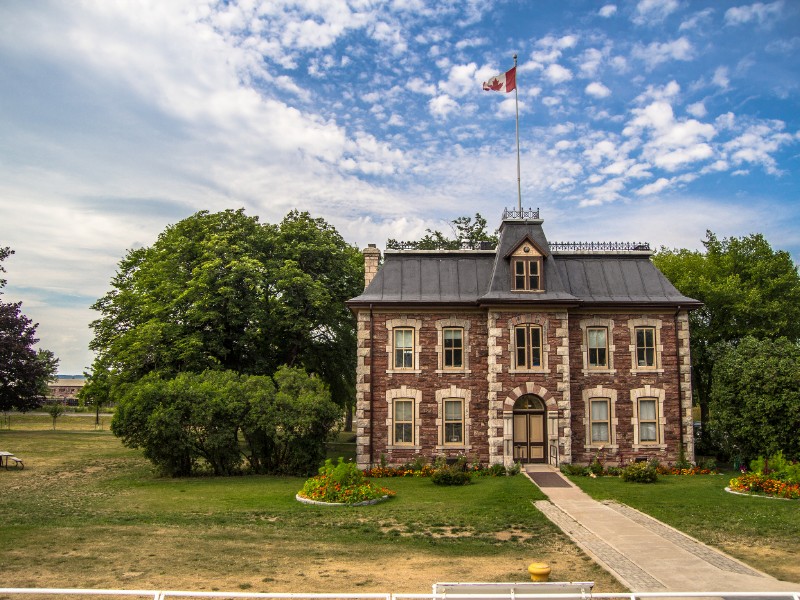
x=762, y=532
x=88, y=512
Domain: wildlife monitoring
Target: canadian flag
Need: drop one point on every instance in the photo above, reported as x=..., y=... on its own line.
x=505, y=82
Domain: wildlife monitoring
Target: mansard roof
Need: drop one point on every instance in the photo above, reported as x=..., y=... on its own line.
x=573, y=277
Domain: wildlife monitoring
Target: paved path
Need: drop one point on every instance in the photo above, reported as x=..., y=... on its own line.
x=644, y=554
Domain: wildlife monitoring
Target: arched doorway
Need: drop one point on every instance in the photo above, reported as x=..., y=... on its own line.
x=530, y=433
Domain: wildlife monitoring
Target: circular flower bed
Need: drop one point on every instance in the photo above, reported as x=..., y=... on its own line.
x=756, y=483
x=341, y=484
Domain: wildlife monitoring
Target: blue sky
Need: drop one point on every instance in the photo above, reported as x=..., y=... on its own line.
x=639, y=121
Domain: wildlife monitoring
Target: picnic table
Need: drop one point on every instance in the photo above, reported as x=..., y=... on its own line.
x=7, y=457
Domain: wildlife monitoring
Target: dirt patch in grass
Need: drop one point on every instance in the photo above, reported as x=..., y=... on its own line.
x=783, y=563
x=167, y=558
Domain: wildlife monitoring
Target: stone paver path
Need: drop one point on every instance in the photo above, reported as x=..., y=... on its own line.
x=643, y=553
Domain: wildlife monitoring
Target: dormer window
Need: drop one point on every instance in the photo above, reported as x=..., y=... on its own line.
x=526, y=262
x=527, y=274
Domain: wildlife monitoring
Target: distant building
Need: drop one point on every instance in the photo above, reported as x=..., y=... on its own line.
x=65, y=389
x=530, y=352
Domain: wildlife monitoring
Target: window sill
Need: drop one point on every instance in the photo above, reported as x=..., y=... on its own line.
x=453, y=371
x=602, y=447
x=403, y=371
x=649, y=446
x=404, y=447
x=529, y=371
x=454, y=447
x=647, y=371
x=599, y=372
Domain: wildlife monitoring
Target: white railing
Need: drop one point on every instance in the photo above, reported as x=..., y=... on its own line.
x=165, y=594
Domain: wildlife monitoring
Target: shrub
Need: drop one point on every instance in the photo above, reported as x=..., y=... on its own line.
x=514, y=469
x=574, y=470
x=453, y=475
x=640, y=473
x=496, y=470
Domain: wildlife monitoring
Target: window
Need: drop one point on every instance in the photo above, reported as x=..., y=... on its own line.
x=648, y=421
x=403, y=348
x=454, y=422
x=527, y=274
x=645, y=346
x=597, y=341
x=403, y=422
x=600, y=422
x=453, y=338
x=528, y=344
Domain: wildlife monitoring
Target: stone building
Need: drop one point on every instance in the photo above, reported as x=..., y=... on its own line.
x=529, y=352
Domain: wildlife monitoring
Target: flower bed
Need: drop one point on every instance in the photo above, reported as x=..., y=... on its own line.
x=342, y=484
x=756, y=483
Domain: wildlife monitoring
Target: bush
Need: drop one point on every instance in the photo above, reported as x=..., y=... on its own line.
x=514, y=469
x=641, y=472
x=496, y=470
x=452, y=475
x=574, y=470
x=216, y=420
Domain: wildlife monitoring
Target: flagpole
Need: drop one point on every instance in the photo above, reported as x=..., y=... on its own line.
x=516, y=103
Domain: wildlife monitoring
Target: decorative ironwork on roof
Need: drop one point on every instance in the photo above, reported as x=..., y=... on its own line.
x=466, y=245
x=525, y=213
x=600, y=246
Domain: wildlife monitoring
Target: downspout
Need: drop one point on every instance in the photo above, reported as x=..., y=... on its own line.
x=371, y=380
x=680, y=386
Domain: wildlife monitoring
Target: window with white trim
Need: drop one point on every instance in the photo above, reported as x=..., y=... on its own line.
x=454, y=421
x=646, y=347
x=648, y=421
x=528, y=346
x=600, y=421
x=403, y=419
x=527, y=274
x=597, y=344
x=403, y=344
x=453, y=341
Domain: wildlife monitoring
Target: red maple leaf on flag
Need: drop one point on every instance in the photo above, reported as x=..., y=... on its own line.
x=493, y=85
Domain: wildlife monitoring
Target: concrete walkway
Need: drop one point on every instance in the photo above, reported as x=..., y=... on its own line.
x=643, y=553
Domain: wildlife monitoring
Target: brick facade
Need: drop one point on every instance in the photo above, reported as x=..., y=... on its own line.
x=640, y=391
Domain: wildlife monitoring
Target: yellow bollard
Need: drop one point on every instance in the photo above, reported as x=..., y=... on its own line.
x=539, y=571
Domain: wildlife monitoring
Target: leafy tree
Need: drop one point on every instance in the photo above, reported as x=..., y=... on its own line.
x=24, y=372
x=465, y=231
x=55, y=409
x=223, y=292
x=747, y=288
x=217, y=420
x=755, y=403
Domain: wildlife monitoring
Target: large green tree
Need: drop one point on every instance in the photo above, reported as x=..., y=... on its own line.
x=755, y=403
x=221, y=291
x=24, y=371
x=747, y=289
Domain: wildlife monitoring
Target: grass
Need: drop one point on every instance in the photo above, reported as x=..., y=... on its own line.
x=88, y=512
x=760, y=531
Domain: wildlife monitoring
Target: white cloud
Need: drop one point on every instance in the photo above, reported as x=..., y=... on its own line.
x=649, y=12
x=597, y=90
x=659, y=185
x=656, y=53
x=420, y=86
x=759, y=12
x=590, y=62
x=756, y=145
x=608, y=10
x=556, y=74
x=721, y=77
x=698, y=109
x=461, y=80
x=441, y=106
x=697, y=20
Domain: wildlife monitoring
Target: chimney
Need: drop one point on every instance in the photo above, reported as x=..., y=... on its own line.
x=372, y=257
